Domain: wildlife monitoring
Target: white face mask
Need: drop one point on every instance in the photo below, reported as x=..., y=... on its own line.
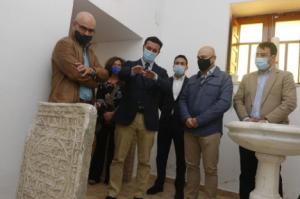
x=262, y=63
x=149, y=56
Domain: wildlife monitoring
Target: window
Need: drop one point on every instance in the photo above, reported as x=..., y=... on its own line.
x=248, y=32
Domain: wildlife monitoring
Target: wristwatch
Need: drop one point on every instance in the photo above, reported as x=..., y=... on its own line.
x=93, y=74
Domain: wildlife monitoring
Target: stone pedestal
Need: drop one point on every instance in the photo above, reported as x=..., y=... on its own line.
x=272, y=143
x=57, y=152
x=267, y=177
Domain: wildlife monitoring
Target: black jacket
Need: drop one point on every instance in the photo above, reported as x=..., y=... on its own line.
x=170, y=106
x=152, y=91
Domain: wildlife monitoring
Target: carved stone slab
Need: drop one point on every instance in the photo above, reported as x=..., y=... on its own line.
x=57, y=152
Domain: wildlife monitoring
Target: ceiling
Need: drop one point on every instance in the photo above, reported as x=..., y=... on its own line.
x=108, y=28
x=261, y=7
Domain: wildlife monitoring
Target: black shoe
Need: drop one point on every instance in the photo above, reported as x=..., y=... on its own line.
x=154, y=190
x=93, y=182
x=109, y=197
x=179, y=195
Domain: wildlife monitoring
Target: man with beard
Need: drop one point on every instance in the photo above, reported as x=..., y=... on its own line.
x=75, y=68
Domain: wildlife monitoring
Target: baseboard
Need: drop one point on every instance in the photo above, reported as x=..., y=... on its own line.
x=221, y=192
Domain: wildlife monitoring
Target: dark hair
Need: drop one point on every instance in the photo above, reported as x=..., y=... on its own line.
x=270, y=45
x=154, y=40
x=181, y=56
x=109, y=63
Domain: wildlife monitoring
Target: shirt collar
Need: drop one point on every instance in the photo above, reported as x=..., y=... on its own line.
x=265, y=72
x=180, y=79
x=210, y=72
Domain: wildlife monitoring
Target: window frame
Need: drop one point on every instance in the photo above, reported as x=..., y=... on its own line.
x=268, y=21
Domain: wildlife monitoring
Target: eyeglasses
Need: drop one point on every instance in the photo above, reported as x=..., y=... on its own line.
x=85, y=29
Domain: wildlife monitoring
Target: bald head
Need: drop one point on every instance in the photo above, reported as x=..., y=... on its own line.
x=85, y=18
x=206, y=51
x=84, y=23
x=206, y=58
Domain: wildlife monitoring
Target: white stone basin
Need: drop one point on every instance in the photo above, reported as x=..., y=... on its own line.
x=271, y=142
x=276, y=139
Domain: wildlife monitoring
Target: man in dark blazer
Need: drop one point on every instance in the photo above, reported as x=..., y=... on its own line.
x=171, y=128
x=137, y=116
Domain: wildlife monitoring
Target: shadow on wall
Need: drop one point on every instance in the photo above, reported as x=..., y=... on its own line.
x=108, y=29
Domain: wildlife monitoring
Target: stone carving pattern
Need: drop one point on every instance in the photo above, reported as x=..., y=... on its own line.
x=57, y=152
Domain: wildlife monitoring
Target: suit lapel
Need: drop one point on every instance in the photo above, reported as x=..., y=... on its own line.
x=269, y=85
x=183, y=85
x=171, y=79
x=253, y=85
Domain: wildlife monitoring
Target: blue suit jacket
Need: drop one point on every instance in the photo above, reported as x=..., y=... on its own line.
x=207, y=102
x=153, y=90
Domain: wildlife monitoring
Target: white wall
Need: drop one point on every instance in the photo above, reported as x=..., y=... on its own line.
x=141, y=16
x=185, y=26
x=129, y=50
x=29, y=31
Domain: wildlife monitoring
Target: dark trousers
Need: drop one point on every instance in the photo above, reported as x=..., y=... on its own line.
x=171, y=130
x=248, y=162
x=103, y=154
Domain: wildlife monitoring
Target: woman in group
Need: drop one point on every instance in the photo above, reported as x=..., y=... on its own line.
x=108, y=96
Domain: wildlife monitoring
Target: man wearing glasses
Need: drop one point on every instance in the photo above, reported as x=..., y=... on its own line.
x=75, y=68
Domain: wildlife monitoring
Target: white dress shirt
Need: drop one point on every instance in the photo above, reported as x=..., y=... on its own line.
x=177, y=85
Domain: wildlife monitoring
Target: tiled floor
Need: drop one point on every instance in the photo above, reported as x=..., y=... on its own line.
x=99, y=192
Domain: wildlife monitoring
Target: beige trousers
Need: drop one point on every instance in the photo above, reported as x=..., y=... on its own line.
x=208, y=148
x=124, y=136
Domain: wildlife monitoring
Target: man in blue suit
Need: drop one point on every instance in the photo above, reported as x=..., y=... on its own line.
x=137, y=116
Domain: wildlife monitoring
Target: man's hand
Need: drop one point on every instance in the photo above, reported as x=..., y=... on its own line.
x=191, y=123
x=254, y=119
x=251, y=119
x=195, y=122
x=138, y=69
x=263, y=121
x=149, y=74
x=108, y=116
x=84, y=70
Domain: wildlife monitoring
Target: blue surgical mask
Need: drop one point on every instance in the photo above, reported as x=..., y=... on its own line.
x=262, y=63
x=149, y=56
x=179, y=70
x=115, y=70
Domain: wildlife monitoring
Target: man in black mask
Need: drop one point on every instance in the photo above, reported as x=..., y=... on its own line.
x=75, y=68
x=204, y=100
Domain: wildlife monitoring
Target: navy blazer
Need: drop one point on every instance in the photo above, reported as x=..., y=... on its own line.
x=152, y=92
x=170, y=106
x=207, y=101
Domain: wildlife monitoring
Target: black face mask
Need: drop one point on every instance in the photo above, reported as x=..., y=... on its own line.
x=204, y=64
x=82, y=39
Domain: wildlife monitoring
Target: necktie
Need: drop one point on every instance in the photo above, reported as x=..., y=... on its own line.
x=147, y=66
